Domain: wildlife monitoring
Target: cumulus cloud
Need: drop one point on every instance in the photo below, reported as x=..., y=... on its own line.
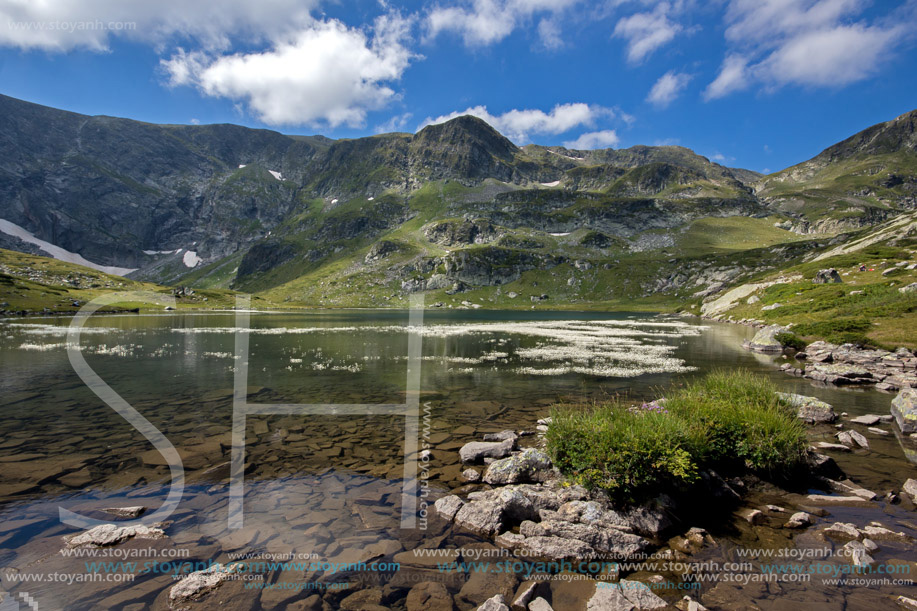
x=646, y=32
x=518, y=125
x=830, y=57
x=485, y=22
x=667, y=88
x=594, y=140
x=733, y=76
x=821, y=43
x=64, y=25
x=326, y=73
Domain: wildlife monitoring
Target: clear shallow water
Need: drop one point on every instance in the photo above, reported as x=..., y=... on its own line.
x=323, y=485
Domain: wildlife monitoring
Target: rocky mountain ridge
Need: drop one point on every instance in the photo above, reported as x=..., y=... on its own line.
x=458, y=205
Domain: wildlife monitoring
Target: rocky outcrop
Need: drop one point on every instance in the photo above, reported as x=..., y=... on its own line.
x=827, y=276
x=848, y=364
x=554, y=521
x=493, y=265
x=461, y=233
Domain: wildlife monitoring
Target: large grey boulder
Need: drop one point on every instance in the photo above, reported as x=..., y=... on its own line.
x=530, y=465
x=448, y=506
x=477, y=451
x=904, y=409
x=607, y=541
x=553, y=549
x=483, y=517
x=810, y=409
x=765, y=340
x=827, y=276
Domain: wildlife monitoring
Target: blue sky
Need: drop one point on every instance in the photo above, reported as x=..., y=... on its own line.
x=761, y=84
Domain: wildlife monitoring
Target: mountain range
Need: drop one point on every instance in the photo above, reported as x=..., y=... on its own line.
x=456, y=210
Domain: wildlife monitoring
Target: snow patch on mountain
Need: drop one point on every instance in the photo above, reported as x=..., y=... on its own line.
x=191, y=259
x=12, y=229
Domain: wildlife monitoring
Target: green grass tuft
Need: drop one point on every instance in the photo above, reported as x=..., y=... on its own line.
x=731, y=421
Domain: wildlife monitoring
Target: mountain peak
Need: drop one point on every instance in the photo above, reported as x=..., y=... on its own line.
x=899, y=134
x=468, y=130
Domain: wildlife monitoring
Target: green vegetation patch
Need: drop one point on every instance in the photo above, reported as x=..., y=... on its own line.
x=731, y=421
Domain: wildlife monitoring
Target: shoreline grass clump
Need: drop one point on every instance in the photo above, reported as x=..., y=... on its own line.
x=731, y=421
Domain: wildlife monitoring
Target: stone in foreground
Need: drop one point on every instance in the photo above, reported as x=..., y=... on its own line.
x=497, y=603
x=201, y=582
x=810, y=409
x=904, y=409
x=765, y=340
x=109, y=534
x=477, y=451
x=624, y=596
x=530, y=465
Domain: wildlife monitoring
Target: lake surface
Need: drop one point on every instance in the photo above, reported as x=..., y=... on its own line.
x=329, y=487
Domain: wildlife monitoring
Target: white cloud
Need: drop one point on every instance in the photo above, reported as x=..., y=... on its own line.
x=594, y=140
x=646, y=32
x=733, y=76
x=326, y=73
x=517, y=125
x=64, y=25
x=550, y=34
x=667, y=88
x=485, y=22
x=821, y=43
x=394, y=124
x=831, y=57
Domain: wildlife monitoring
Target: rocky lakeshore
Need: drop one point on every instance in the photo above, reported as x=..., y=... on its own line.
x=530, y=511
x=839, y=364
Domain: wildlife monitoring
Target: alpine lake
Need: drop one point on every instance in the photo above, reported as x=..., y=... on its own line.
x=328, y=487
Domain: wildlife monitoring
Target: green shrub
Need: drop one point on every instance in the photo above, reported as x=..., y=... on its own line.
x=838, y=331
x=731, y=421
x=790, y=340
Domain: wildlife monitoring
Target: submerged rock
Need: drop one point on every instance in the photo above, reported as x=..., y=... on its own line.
x=126, y=512
x=198, y=583
x=429, y=596
x=799, y=519
x=110, y=534
x=904, y=409
x=625, y=595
